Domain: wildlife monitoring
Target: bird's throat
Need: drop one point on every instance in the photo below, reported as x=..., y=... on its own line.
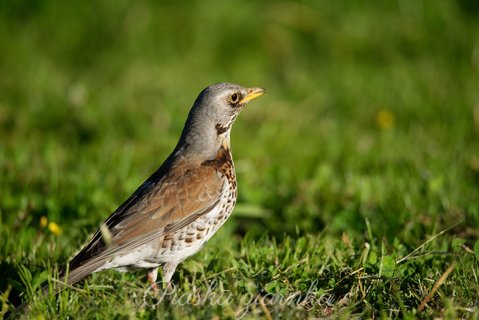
x=226, y=142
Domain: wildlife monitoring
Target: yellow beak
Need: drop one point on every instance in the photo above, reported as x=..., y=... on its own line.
x=252, y=93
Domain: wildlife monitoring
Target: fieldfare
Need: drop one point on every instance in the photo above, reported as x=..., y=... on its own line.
x=181, y=205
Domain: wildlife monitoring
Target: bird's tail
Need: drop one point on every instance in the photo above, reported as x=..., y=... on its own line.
x=73, y=276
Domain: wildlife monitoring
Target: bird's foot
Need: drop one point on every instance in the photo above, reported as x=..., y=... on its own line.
x=155, y=288
x=152, y=276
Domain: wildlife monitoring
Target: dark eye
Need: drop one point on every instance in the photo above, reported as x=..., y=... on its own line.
x=234, y=97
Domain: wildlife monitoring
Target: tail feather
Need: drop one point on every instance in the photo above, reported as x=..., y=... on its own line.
x=78, y=273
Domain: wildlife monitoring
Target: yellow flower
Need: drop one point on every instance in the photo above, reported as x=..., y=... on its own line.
x=385, y=119
x=474, y=163
x=54, y=228
x=43, y=222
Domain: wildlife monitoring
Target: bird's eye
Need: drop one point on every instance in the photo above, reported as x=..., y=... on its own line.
x=234, y=97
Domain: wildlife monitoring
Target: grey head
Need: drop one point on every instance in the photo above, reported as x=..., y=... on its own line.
x=210, y=119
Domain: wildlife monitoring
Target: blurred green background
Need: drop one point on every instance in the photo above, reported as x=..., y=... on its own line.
x=371, y=117
x=93, y=97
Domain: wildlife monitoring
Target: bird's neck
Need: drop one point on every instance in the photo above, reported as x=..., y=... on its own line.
x=202, y=144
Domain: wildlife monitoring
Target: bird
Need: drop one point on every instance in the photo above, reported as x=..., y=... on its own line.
x=181, y=205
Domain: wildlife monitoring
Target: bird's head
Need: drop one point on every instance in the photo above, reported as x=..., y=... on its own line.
x=210, y=120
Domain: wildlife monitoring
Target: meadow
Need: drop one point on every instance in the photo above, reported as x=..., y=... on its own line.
x=358, y=170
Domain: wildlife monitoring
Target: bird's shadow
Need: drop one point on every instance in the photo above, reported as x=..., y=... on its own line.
x=11, y=282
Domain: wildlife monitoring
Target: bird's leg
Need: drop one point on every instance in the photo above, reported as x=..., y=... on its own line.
x=168, y=271
x=151, y=276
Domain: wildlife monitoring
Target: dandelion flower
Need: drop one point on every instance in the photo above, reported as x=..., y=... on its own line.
x=385, y=119
x=43, y=222
x=54, y=228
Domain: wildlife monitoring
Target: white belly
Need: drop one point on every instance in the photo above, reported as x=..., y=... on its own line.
x=149, y=256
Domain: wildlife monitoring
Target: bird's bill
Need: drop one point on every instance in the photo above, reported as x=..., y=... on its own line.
x=253, y=93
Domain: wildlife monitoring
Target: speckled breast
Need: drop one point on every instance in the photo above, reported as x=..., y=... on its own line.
x=187, y=241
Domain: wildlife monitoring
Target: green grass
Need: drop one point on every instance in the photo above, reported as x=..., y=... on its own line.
x=358, y=172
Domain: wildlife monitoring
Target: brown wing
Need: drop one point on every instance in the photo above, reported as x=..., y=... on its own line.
x=171, y=198
x=186, y=194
